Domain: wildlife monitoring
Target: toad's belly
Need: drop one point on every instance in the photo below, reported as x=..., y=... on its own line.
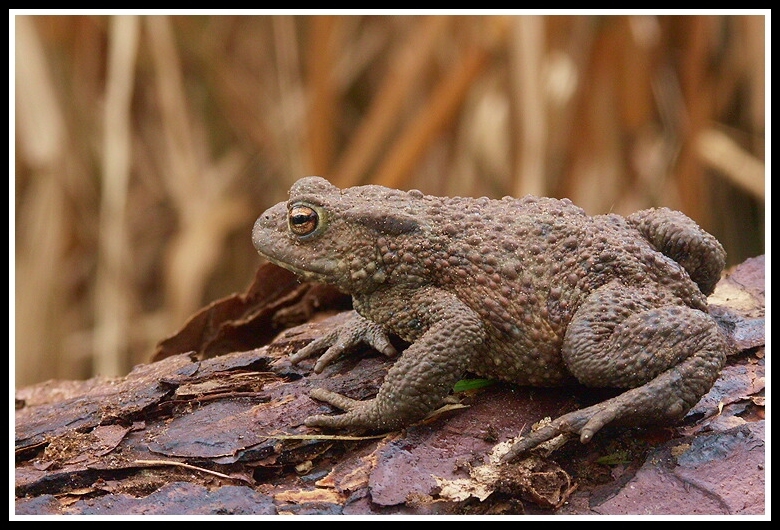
x=536, y=365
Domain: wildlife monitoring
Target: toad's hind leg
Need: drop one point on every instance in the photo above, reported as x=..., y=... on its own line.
x=668, y=357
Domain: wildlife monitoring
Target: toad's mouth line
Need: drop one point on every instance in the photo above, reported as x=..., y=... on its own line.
x=310, y=271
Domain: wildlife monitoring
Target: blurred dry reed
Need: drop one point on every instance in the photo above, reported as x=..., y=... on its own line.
x=146, y=146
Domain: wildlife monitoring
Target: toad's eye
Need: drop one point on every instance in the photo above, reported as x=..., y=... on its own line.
x=303, y=220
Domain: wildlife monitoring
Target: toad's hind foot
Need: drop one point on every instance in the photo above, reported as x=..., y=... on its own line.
x=585, y=423
x=637, y=406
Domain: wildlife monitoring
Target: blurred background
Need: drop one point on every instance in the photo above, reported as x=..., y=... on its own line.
x=147, y=146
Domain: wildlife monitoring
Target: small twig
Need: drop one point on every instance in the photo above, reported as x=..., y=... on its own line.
x=187, y=466
x=323, y=437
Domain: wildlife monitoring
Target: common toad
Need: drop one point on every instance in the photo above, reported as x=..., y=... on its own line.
x=531, y=291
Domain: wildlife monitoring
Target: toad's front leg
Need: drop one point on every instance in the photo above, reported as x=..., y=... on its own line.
x=423, y=375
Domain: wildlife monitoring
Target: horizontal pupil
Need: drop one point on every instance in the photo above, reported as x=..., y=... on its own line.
x=300, y=218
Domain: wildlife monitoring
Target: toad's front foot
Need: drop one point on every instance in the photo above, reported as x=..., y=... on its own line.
x=337, y=400
x=357, y=330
